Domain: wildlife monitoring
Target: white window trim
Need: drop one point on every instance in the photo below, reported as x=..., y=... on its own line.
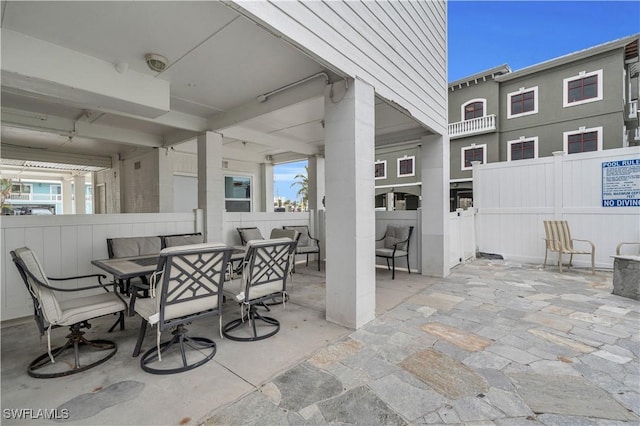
x=473, y=146
x=464, y=105
x=385, y=169
x=413, y=161
x=565, y=137
x=520, y=140
x=582, y=74
x=251, y=183
x=520, y=91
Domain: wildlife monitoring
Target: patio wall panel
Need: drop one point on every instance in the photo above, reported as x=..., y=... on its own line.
x=514, y=198
x=67, y=244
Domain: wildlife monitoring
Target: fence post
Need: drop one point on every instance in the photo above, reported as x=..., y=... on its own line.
x=558, y=184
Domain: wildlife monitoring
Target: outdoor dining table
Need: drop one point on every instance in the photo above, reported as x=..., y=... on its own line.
x=124, y=268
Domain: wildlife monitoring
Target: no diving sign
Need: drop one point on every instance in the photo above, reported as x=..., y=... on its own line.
x=621, y=183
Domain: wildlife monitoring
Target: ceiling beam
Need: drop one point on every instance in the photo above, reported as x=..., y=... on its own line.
x=255, y=108
x=12, y=117
x=248, y=135
x=49, y=156
x=79, y=79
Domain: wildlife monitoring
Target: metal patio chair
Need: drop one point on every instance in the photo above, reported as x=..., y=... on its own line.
x=395, y=244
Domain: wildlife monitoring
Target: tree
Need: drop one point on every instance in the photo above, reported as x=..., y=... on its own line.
x=5, y=190
x=303, y=182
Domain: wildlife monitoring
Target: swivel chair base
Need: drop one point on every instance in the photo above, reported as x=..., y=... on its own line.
x=76, y=341
x=205, y=348
x=250, y=319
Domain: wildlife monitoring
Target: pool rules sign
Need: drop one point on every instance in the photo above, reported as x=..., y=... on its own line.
x=621, y=183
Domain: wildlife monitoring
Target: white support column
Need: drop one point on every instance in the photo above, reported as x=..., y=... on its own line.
x=165, y=181
x=79, y=192
x=350, y=216
x=67, y=199
x=211, y=184
x=316, y=182
x=435, y=206
x=266, y=170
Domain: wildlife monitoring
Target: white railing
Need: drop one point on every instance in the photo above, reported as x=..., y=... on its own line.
x=484, y=124
x=35, y=197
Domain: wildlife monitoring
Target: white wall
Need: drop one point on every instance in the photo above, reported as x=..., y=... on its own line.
x=513, y=198
x=397, y=47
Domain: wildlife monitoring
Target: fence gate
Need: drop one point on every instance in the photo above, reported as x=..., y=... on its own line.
x=462, y=236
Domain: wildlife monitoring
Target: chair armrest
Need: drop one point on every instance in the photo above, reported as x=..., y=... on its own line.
x=593, y=247
x=315, y=239
x=619, y=246
x=395, y=245
x=100, y=276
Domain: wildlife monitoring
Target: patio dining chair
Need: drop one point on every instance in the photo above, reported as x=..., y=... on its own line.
x=306, y=243
x=181, y=239
x=186, y=287
x=394, y=244
x=50, y=313
x=558, y=239
x=265, y=270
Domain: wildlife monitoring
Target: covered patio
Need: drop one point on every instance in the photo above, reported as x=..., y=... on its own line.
x=494, y=342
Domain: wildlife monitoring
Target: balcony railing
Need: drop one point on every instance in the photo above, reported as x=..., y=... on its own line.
x=35, y=197
x=474, y=126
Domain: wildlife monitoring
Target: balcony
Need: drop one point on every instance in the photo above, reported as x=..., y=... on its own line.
x=35, y=197
x=486, y=124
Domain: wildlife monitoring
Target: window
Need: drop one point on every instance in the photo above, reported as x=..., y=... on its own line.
x=522, y=149
x=473, y=153
x=523, y=102
x=583, y=140
x=21, y=188
x=237, y=193
x=473, y=109
x=381, y=169
x=583, y=88
x=406, y=166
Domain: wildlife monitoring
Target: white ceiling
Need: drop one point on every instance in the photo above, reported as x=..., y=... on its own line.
x=219, y=63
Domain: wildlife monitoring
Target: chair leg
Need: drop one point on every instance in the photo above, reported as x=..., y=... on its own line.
x=307, y=260
x=120, y=321
x=393, y=270
x=544, y=265
x=388, y=266
x=141, y=333
x=408, y=267
x=560, y=261
x=318, y=260
x=593, y=266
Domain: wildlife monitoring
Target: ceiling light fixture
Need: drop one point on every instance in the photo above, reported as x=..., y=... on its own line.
x=155, y=62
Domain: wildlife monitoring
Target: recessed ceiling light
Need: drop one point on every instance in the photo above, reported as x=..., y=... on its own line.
x=191, y=84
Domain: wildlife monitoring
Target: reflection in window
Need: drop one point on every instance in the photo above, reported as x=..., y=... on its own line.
x=237, y=193
x=582, y=142
x=474, y=110
x=380, y=169
x=405, y=166
x=522, y=150
x=473, y=154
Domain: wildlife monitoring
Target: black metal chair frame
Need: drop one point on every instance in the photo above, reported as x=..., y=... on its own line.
x=258, y=269
x=393, y=255
x=317, y=242
x=202, y=277
x=75, y=339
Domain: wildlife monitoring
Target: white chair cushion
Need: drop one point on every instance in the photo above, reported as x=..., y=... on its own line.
x=84, y=308
x=395, y=234
x=135, y=246
x=385, y=252
x=183, y=240
x=251, y=234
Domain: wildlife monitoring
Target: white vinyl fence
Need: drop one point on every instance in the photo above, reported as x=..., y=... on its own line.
x=513, y=199
x=462, y=236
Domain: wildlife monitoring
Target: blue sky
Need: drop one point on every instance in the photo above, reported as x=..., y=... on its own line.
x=486, y=34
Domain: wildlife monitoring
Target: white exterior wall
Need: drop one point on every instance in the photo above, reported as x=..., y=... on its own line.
x=514, y=198
x=397, y=47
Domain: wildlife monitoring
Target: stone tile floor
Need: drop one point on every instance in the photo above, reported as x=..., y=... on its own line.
x=494, y=343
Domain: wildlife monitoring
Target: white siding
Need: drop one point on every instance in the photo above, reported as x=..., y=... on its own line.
x=397, y=47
